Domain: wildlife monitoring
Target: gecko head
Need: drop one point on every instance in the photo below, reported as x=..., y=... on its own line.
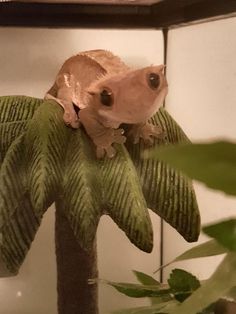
x=130, y=97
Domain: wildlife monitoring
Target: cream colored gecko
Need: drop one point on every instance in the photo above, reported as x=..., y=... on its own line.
x=108, y=93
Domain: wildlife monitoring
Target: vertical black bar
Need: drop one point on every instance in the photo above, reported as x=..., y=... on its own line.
x=165, y=43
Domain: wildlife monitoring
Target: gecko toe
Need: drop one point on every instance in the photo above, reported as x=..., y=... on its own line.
x=71, y=119
x=110, y=152
x=100, y=152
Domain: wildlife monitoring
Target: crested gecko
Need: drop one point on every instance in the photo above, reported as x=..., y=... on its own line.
x=107, y=93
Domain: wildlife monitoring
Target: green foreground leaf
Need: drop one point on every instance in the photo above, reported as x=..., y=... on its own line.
x=209, y=248
x=182, y=284
x=217, y=286
x=145, y=279
x=224, y=232
x=149, y=281
x=213, y=164
x=162, y=308
x=232, y=293
x=139, y=291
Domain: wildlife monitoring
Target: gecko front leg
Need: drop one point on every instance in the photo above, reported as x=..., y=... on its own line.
x=67, y=96
x=146, y=131
x=103, y=137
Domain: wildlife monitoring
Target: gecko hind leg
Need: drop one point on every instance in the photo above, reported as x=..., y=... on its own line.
x=70, y=115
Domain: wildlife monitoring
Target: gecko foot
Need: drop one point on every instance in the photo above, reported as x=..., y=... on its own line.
x=104, y=142
x=109, y=151
x=71, y=119
x=147, y=132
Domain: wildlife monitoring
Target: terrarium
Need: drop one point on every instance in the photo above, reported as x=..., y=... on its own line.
x=54, y=153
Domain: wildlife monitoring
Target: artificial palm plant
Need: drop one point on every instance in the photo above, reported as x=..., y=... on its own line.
x=43, y=161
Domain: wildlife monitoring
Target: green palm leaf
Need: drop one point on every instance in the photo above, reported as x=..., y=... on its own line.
x=46, y=143
x=15, y=111
x=19, y=222
x=81, y=194
x=124, y=200
x=168, y=193
x=92, y=188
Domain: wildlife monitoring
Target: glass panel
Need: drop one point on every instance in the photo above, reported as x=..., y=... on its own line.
x=202, y=96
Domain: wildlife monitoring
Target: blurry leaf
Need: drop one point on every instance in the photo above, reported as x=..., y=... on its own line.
x=161, y=299
x=145, y=279
x=182, y=284
x=209, y=248
x=168, y=193
x=232, y=293
x=148, y=280
x=15, y=111
x=213, y=164
x=123, y=198
x=81, y=198
x=46, y=142
x=139, y=291
x=218, y=285
x=154, y=309
x=209, y=310
x=224, y=232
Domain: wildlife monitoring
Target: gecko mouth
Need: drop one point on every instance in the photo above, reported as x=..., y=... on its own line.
x=77, y=109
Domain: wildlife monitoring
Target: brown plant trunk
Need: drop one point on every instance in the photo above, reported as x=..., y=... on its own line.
x=74, y=267
x=225, y=307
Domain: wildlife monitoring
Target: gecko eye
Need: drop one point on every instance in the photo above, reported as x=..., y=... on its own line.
x=153, y=80
x=106, y=98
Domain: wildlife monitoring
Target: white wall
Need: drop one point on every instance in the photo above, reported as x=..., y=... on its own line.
x=202, y=98
x=29, y=61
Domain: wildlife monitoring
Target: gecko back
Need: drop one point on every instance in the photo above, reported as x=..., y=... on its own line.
x=76, y=75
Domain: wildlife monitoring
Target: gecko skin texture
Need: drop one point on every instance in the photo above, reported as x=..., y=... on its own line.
x=108, y=93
